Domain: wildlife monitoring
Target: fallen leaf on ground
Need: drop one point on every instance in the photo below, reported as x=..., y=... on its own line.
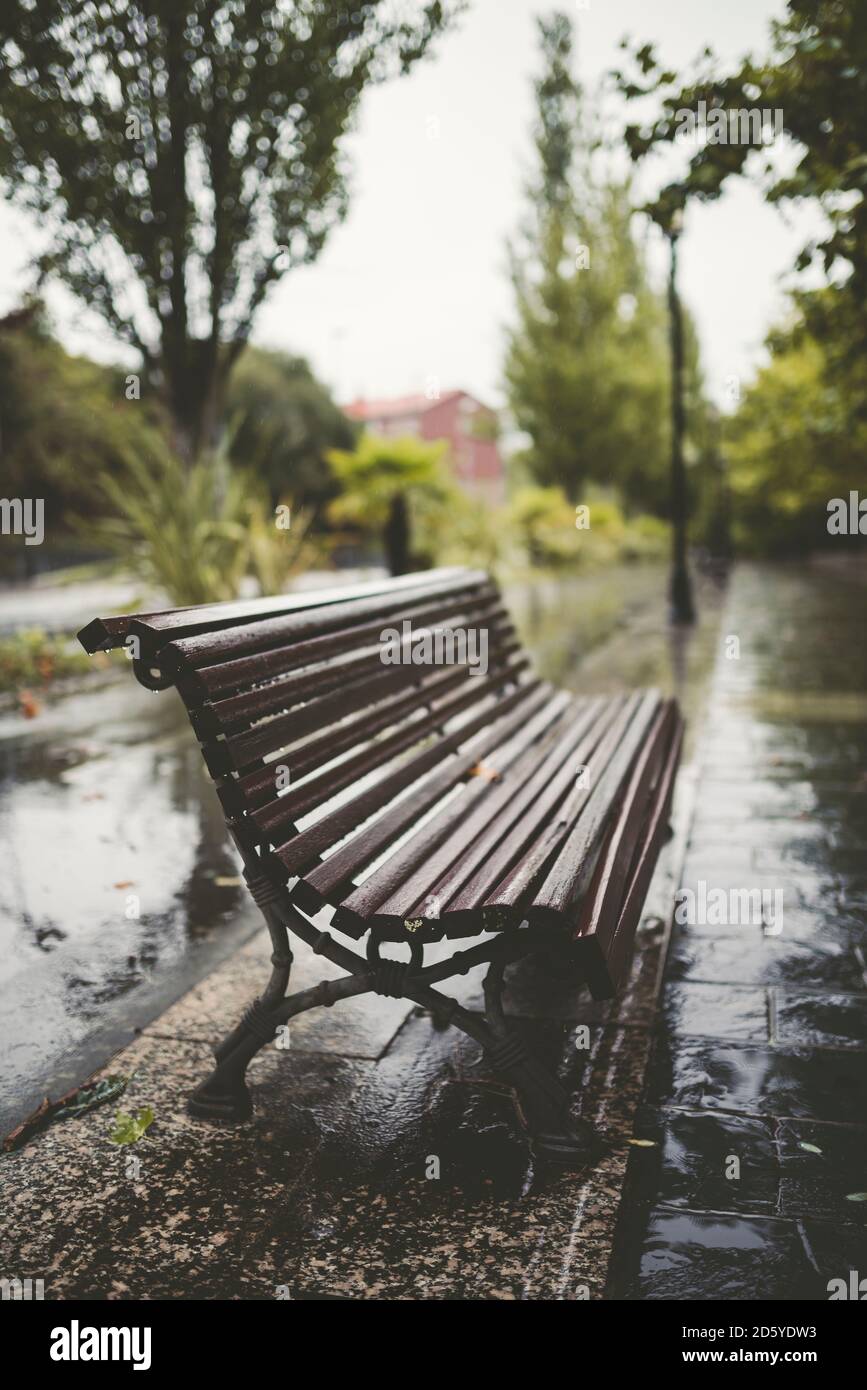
x=68, y=1107
x=128, y=1129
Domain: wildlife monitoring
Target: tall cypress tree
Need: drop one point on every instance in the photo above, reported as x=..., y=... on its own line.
x=586, y=365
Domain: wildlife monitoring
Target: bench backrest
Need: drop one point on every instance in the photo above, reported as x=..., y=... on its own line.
x=297, y=699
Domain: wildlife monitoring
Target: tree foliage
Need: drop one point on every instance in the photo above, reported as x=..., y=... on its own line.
x=382, y=482
x=65, y=423
x=181, y=157
x=796, y=442
x=199, y=534
x=283, y=422
x=799, y=435
x=816, y=74
x=586, y=368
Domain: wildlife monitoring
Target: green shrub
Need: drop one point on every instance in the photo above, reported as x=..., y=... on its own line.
x=197, y=533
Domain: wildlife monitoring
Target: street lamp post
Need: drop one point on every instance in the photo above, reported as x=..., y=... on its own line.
x=682, y=607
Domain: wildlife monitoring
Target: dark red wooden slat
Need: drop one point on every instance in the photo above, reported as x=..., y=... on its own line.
x=240, y=750
x=299, y=854
x=104, y=633
x=255, y=789
x=318, y=679
x=615, y=861
x=433, y=846
x=282, y=812
x=467, y=881
x=576, y=860
x=604, y=964
x=509, y=812
x=230, y=642
x=504, y=859
x=333, y=879
x=518, y=880
x=211, y=682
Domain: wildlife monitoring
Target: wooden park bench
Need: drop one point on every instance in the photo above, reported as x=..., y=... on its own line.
x=373, y=795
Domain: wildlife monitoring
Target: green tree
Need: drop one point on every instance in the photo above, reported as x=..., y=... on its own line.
x=795, y=443
x=196, y=533
x=586, y=365
x=798, y=437
x=283, y=422
x=65, y=422
x=382, y=480
x=184, y=156
x=816, y=75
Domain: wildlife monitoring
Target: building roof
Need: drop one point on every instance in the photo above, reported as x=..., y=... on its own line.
x=395, y=406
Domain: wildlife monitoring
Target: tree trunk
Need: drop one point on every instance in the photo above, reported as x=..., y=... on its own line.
x=396, y=535
x=193, y=390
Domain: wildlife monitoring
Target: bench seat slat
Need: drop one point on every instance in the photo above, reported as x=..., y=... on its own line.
x=562, y=799
x=533, y=781
x=299, y=853
x=516, y=881
x=604, y=936
x=616, y=859
x=574, y=863
x=411, y=873
x=332, y=880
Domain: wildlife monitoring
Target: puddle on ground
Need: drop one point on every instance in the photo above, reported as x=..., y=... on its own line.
x=112, y=842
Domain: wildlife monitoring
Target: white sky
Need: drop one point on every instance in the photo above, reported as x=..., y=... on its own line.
x=414, y=284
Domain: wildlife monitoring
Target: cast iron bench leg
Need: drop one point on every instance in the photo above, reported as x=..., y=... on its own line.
x=544, y=1105
x=224, y=1095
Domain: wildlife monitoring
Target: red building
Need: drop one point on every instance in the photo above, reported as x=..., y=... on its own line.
x=468, y=427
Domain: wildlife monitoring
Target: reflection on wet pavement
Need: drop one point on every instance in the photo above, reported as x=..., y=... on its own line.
x=751, y=1180
x=112, y=845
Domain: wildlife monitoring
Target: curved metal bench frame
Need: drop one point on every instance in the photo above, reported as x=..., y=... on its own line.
x=543, y=1104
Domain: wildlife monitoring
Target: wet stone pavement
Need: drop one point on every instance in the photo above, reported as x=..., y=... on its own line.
x=384, y=1161
x=751, y=1182
x=119, y=889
